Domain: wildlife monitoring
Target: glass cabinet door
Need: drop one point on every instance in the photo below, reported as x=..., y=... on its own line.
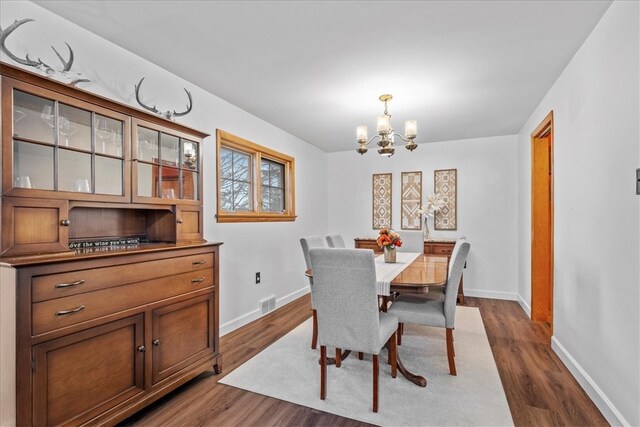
x=167, y=165
x=70, y=148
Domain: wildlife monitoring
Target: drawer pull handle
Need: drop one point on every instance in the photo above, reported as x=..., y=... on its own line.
x=198, y=280
x=202, y=261
x=68, y=285
x=75, y=310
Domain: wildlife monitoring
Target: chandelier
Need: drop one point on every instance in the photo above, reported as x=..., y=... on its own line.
x=386, y=135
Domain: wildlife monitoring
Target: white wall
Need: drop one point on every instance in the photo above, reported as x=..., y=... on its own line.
x=597, y=214
x=271, y=248
x=487, y=201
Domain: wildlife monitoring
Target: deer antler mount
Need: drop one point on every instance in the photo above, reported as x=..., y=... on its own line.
x=64, y=74
x=170, y=115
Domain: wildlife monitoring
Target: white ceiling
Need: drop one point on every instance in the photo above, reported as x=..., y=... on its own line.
x=315, y=69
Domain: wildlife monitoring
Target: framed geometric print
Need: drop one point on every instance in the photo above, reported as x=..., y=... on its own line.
x=411, y=201
x=445, y=183
x=381, y=194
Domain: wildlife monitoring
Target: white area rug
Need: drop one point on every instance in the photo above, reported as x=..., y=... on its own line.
x=289, y=370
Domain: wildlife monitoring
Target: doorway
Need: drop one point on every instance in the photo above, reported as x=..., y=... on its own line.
x=542, y=222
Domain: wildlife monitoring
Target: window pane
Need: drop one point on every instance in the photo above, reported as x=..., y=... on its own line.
x=147, y=180
x=276, y=200
x=108, y=176
x=32, y=166
x=74, y=171
x=108, y=136
x=148, y=145
x=170, y=149
x=241, y=196
x=266, y=206
x=33, y=117
x=74, y=127
x=241, y=165
x=264, y=172
x=226, y=163
x=226, y=195
x=276, y=174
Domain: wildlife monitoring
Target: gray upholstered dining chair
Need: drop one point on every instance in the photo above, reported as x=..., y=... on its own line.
x=412, y=241
x=346, y=299
x=335, y=241
x=308, y=243
x=437, y=313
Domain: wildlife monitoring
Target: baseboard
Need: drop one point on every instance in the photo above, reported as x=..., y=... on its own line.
x=525, y=306
x=249, y=317
x=479, y=293
x=610, y=412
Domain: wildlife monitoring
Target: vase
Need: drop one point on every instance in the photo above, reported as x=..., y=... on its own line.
x=425, y=230
x=389, y=254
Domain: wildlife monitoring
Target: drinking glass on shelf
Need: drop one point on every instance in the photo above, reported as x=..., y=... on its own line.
x=105, y=136
x=22, y=181
x=48, y=116
x=67, y=128
x=169, y=193
x=82, y=186
x=18, y=114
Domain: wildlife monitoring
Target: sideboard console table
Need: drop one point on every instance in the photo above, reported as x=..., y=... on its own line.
x=431, y=246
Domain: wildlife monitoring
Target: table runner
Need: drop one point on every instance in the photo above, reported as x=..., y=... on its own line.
x=386, y=272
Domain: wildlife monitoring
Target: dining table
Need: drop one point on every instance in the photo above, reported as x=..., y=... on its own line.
x=412, y=273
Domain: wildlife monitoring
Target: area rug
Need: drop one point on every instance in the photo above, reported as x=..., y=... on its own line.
x=289, y=370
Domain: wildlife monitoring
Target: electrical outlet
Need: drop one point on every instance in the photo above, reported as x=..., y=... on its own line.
x=258, y=278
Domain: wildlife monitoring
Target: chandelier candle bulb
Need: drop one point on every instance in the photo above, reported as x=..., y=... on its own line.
x=410, y=129
x=362, y=133
x=383, y=124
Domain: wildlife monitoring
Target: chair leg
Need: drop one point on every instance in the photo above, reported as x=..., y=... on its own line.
x=360, y=355
x=338, y=357
x=400, y=332
x=393, y=356
x=375, y=383
x=451, y=352
x=323, y=372
x=314, y=338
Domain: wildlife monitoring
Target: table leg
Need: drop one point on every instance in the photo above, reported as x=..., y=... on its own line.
x=416, y=379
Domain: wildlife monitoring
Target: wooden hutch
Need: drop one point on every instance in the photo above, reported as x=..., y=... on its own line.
x=102, y=327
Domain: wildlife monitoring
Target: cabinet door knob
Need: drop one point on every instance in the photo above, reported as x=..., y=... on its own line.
x=142, y=349
x=155, y=342
x=179, y=220
x=65, y=222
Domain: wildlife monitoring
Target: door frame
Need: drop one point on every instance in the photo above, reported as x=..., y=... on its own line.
x=544, y=129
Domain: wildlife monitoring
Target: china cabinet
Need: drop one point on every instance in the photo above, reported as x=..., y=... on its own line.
x=102, y=329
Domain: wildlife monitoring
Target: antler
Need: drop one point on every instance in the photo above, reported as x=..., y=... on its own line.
x=167, y=114
x=189, y=107
x=28, y=61
x=152, y=109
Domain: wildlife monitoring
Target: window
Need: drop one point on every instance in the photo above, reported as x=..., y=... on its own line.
x=255, y=183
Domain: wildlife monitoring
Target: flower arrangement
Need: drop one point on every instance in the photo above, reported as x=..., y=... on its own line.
x=389, y=239
x=434, y=203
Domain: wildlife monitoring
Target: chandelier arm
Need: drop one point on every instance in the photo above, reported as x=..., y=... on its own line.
x=402, y=137
x=371, y=139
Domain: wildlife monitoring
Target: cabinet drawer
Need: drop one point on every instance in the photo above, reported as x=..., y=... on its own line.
x=368, y=245
x=61, y=312
x=442, y=249
x=81, y=281
x=428, y=249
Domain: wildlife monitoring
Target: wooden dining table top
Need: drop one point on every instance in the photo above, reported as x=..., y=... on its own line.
x=425, y=272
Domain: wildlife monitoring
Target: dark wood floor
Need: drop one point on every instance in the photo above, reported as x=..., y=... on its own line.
x=539, y=389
